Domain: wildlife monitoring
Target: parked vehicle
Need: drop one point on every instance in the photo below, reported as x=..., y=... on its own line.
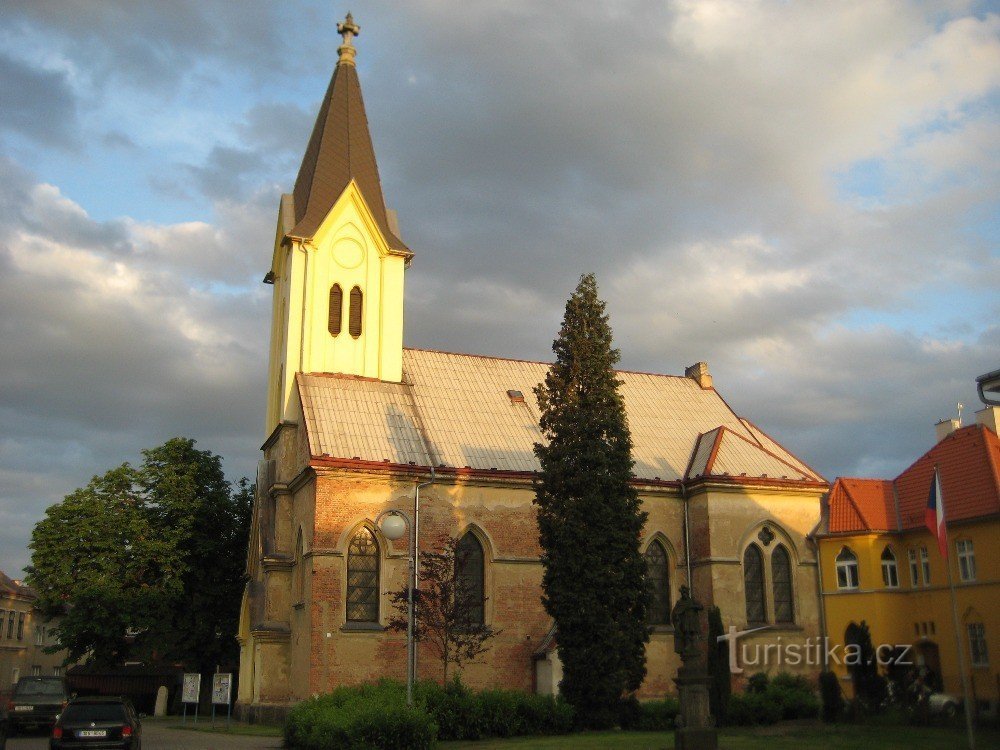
x=945, y=704
x=97, y=723
x=35, y=703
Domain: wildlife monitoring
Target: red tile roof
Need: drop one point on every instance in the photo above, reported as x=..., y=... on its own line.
x=969, y=462
x=862, y=505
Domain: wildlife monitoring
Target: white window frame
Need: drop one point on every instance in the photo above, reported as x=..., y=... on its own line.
x=925, y=565
x=978, y=651
x=890, y=569
x=966, y=553
x=911, y=555
x=848, y=576
x=57, y=671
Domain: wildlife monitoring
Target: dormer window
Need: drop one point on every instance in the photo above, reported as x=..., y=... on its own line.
x=336, y=309
x=357, y=307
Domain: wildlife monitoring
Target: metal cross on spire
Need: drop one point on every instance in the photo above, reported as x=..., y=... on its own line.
x=348, y=29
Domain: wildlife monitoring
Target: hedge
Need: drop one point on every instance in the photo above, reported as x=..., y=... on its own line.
x=376, y=717
x=367, y=717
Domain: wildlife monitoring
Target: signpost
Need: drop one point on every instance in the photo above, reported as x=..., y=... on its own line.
x=222, y=686
x=190, y=693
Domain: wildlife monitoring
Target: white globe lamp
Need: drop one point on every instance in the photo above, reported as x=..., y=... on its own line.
x=393, y=526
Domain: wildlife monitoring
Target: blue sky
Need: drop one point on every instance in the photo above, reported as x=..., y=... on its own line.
x=804, y=195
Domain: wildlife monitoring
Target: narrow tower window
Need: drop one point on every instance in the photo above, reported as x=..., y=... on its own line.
x=357, y=305
x=336, y=309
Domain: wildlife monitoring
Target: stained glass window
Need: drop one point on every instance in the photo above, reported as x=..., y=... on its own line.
x=469, y=570
x=781, y=581
x=658, y=575
x=753, y=584
x=362, y=578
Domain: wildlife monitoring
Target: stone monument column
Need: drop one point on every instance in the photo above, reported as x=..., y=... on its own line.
x=695, y=728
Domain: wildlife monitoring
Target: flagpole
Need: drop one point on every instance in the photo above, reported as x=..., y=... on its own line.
x=966, y=692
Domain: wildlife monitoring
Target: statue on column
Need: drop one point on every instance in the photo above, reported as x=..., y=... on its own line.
x=695, y=728
x=686, y=619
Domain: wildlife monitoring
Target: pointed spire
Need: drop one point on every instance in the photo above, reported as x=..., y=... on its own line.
x=340, y=149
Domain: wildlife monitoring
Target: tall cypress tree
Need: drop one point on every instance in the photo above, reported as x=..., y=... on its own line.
x=589, y=516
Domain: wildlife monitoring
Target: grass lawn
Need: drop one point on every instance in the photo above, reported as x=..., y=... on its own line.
x=780, y=737
x=236, y=727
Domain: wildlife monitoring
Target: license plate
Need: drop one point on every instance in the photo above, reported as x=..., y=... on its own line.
x=23, y=708
x=92, y=733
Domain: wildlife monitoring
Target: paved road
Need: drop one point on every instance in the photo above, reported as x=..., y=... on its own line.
x=159, y=737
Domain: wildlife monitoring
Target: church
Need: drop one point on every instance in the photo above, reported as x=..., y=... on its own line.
x=358, y=424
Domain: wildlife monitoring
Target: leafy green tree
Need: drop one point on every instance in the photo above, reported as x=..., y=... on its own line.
x=146, y=563
x=99, y=565
x=589, y=516
x=208, y=521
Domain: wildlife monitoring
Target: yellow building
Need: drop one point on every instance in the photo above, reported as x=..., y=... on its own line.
x=357, y=424
x=880, y=563
x=24, y=637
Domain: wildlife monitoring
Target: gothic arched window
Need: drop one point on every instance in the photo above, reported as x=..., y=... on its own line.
x=470, y=572
x=781, y=582
x=847, y=569
x=658, y=576
x=753, y=584
x=362, y=577
x=357, y=307
x=299, y=581
x=336, y=309
x=890, y=572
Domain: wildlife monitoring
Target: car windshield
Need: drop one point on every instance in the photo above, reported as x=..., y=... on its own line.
x=82, y=712
x=38, y=686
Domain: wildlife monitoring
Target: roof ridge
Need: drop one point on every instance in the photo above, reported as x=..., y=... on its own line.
x=773, y=455
x=755, y=426
x=540, y=362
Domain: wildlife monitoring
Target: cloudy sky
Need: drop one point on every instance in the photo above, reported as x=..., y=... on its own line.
x=804, y=194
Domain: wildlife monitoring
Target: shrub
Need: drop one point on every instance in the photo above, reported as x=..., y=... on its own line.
x=833, y=697
x=794, y=702
x=454, y=709
x=757, y=683
x=750, y=709
x=544, y=714
x=361, y=718
x=656, y=716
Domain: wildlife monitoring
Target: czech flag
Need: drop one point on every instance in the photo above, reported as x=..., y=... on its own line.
x=934, y=515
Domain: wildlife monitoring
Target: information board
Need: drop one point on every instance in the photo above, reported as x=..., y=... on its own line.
x=222, y=685
x=192, y=687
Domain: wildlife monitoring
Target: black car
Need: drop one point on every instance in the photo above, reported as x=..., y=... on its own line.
x=97, y=723
x=35, y=703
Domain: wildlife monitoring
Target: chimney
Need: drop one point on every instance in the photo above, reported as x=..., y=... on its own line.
x=988, y=417
x=698, y=372
x=945, y=427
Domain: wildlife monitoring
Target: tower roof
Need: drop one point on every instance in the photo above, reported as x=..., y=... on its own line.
x=340, y=150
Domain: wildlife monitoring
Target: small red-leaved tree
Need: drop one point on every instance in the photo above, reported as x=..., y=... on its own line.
x=448, y=610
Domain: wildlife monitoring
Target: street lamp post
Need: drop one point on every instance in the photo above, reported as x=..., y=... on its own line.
x=394, y=524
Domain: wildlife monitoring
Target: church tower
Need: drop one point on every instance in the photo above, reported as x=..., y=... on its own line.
x=338, y=262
